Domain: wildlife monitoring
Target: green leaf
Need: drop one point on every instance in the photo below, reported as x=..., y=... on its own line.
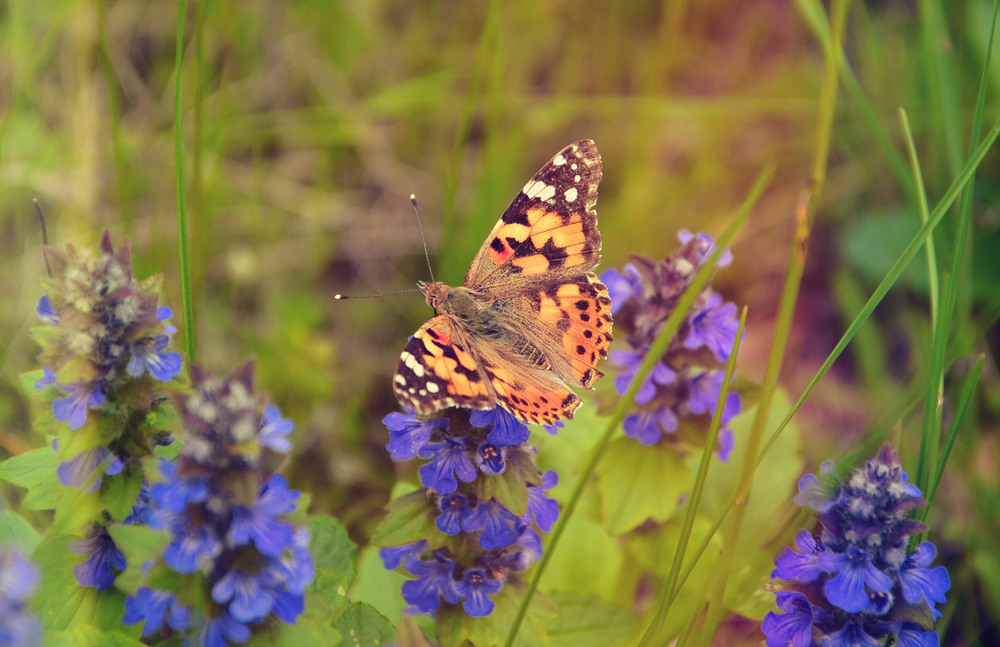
x=62, y=603
x=334, y=555
x=16, y=531
x=637, y=483
x=28, y=381
x=509, y=488
x=362, y=626
x=455, y=626
x=139, y=544
x=313, y=627
x=118, y=493
x=88, y=636
x=75, y=509
x=35, y=471
x=377, y=586
x=586, y=620
x=410, y=518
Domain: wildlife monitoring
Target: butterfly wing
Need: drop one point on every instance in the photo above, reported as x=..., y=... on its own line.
x=548, y=232
x=437, y=370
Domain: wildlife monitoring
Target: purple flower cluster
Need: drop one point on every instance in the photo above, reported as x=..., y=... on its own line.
x=686, y=381
x=104, y=348
x=462, y=451
x=226, y=515
x=18, y=580
x=856, y=584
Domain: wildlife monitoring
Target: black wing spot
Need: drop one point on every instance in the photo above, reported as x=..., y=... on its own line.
x=588, y=333
x=498, y=245
x=580, y=350
x=584, y=317
x=582, y=304
x=516, y=218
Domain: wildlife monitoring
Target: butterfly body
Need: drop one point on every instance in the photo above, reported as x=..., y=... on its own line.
x=530, y=316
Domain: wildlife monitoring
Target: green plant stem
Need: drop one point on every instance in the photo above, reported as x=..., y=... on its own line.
x=804, y=216
x=182, y=223
x=670, y=588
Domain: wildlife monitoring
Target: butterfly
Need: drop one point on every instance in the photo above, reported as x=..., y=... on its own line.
x=531, y=317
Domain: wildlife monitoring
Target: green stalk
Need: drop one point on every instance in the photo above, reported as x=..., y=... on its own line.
x=670, y=588
x=182, y=223
x=805, y=214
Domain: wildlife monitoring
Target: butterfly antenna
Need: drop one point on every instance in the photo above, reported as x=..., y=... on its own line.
x=342, y=297
x=423, y=239
x=45, y=234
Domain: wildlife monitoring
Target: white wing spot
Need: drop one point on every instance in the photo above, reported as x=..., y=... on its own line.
x=558, y=160
x=432, y=387
x=547, y=193
x=570, y=194
x=412, y=390
x=417, y=368
x=573, y=166
x=400, y=380
x=576, y=178
x=421, y=393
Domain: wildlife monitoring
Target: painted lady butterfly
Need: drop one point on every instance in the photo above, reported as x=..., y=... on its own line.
x=530, y=317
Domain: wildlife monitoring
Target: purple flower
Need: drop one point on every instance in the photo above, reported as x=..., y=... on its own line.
x=714, y=326
x=408, y=435
x=104, y=560
x=622, y=285
x=394, y=556
x=507, y=430
x=242, y=594
x=220, y=631
x=156, y=608
x=454, y=510
x=274, y=430
x=448, y=458
x=164, y=314
x=475, y=588
x=794, y=628
x=703, y=247
x=149, y=354
x=259, y=523
x=660, y=375
x=18, y=580
x=856, y=580
x=648, y=426
x=852, y=635
x=45, y=311
x=921, y=583
x=434, y=582
x=79, y=472
x=544, y=510
x=499, y=525
x=72, y=409
x=803, y=565
x=49, y=379
x=490, y=459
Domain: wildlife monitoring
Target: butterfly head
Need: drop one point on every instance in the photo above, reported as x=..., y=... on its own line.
x=435, y=293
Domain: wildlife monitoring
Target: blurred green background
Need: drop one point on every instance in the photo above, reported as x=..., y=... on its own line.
x=307, y=125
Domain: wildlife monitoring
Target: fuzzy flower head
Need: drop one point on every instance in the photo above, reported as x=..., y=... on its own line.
x=855, y=583
x=487, y=500
x=227, y=517
x=102, y=330
x=678, y=398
